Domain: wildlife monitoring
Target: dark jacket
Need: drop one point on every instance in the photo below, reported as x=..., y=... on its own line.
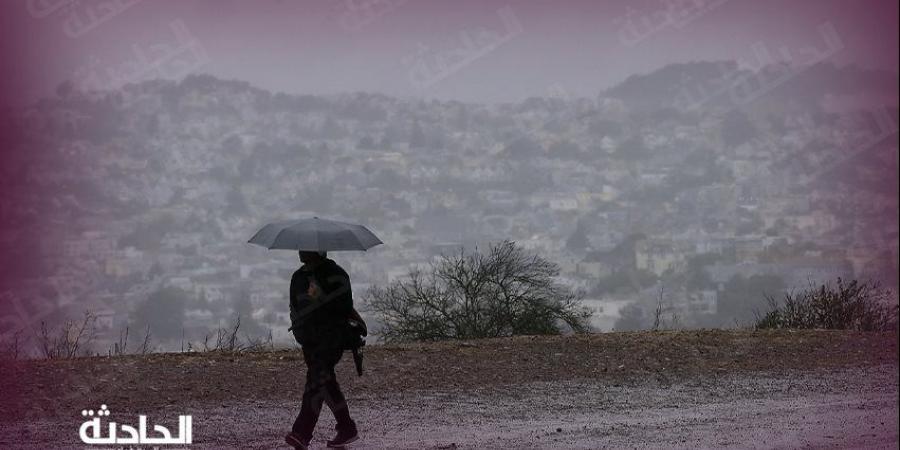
x=322, y=320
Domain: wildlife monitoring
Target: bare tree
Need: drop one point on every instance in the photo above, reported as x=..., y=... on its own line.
x=121, y=346
x=71, y=337
x=145, y=344
x=501, y=292
x=226, y=339
x=12, y=346
x=657, y=314
x=659, y=322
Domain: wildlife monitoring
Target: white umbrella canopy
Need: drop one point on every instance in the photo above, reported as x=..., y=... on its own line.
x=315, y=235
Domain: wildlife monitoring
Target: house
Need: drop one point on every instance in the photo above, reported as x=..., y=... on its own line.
x=817, y=222
x=75, y=248
x=712, y=244
x=604, y=312
x=701, y=302
x=605, y=240
x=652, y=178
x=593, y=269
x=264, y=296
x=213, y=292
x=402, y=273
x=657, y=256
x=387, y=160
x=127, y=262
x=721, y=273
x=564, y=204
x=748, y=248
x=567, y=264
x=538, y=243
x=800, y=273
x=501, y=198
x=180, y=282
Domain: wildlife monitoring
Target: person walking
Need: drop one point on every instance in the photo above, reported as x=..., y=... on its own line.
x=321, y=302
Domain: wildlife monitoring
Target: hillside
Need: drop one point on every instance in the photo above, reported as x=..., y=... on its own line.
x=497, y=376
x=808, y=85
x=159, y=184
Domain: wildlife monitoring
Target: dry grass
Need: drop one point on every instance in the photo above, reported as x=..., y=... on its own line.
x=218, y=378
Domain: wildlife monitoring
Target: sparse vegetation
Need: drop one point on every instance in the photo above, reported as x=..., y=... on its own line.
x=70, y=340
x=227, y=340
x=846, y=306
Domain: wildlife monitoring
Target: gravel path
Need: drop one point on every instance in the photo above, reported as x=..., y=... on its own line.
x=846, y=408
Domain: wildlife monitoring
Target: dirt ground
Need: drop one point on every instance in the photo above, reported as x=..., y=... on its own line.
x=678, y=389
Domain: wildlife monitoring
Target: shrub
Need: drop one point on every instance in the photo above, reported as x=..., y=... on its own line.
x=501, y=292
x=847, y=306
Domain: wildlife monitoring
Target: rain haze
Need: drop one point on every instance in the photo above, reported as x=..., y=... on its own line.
x=653, y=151
x=682, y=164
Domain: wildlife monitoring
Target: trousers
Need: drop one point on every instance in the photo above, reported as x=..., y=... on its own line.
x=321, y=387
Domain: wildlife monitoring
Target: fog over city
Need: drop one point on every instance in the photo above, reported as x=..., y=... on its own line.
x=687, y=157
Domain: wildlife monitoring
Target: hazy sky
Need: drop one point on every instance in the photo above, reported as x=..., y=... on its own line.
x=482, y=51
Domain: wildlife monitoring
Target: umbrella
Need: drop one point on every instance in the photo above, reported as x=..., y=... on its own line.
x=315, y=235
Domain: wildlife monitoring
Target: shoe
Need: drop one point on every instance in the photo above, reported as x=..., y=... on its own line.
x=294, y=440
x=343, y=438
